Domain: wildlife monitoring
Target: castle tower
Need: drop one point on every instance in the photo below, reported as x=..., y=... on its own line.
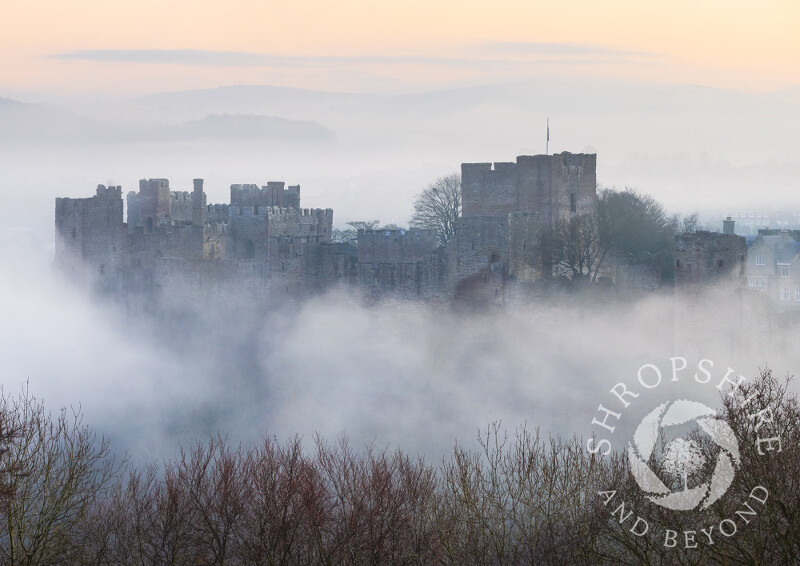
x=198, y=204
x=151, y=206
x=556, y=186
x=275, y=193
x=90, y=233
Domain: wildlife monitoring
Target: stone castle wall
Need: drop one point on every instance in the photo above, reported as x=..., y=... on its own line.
x=176, y=236
x=524, y=259
x=247, y=229
x=506, y=206
x=395, y=246
x=274, y=193
x=552, y=185
x=173, y=241
x=300, y=222
x=90, y=234
x=181, y=205
x=180, y=282
x=479, y=242
x=400, y=263
x=708, y=257
x=635, y=274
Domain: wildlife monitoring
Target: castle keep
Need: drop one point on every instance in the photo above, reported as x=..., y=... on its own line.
x=554, y=186
x=505, y=207
x=264, y=242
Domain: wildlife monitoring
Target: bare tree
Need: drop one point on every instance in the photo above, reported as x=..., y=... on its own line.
x=525, y=500
x=625, y=223
x=438, y=207
x=8, y=433
x=519, y=499
x=61, y=471
x=213, y=477
x=146, y=520
x=573, y=247
x=283, y=514
x=378, y=506
x=689, y=223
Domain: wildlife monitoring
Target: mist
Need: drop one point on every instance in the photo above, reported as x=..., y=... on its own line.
x=395, y=373
x=401, y=374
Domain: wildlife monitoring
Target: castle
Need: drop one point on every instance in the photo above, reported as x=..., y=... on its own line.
x=262, y=239
x=175, y=242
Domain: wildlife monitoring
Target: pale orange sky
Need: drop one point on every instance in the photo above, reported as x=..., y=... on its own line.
x=749, y=45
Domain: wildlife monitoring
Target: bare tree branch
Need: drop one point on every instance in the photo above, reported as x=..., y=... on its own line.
x=438, y=207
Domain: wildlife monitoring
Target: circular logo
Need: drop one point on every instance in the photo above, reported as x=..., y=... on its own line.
x=681, y=458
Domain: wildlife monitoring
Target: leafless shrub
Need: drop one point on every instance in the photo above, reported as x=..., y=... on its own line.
x=282, y=518
x=521, y=501
x=56, y=470
x=378, y=504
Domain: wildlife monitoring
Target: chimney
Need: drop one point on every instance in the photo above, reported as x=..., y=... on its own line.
x=728, y=226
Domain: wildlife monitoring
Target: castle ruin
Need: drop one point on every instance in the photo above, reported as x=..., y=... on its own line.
x=174, y=239
x=265, y=242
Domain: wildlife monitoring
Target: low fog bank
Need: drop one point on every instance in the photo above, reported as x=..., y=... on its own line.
x=400, y=374
x=394, y=373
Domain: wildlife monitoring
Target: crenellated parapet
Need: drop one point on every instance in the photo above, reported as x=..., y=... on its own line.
x=168, y=227
x=216, y=213
x=111, y=192
x=300, y=222
x=557, y=186
x=274, y=193
x=395, y=246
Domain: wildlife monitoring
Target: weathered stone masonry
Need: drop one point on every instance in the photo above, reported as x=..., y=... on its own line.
x=175, y=237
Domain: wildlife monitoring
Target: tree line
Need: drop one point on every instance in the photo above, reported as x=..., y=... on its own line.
x=514, y=499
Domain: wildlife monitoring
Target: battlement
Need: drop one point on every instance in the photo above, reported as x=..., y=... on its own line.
x=273, y=194
x=246, y=211
x=217, y=212
x=153, y=184
x=555, y=185
x=395, y=246
x=169, y=234
x=276, y=211
x=280, y=210
x=111, y=192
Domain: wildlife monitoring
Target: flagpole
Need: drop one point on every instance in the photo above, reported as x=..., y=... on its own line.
x=547, y=145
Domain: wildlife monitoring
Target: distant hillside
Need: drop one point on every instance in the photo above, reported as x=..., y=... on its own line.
x=23, y=123
x=302, y=103
x=500, y=121
x=247, y=126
